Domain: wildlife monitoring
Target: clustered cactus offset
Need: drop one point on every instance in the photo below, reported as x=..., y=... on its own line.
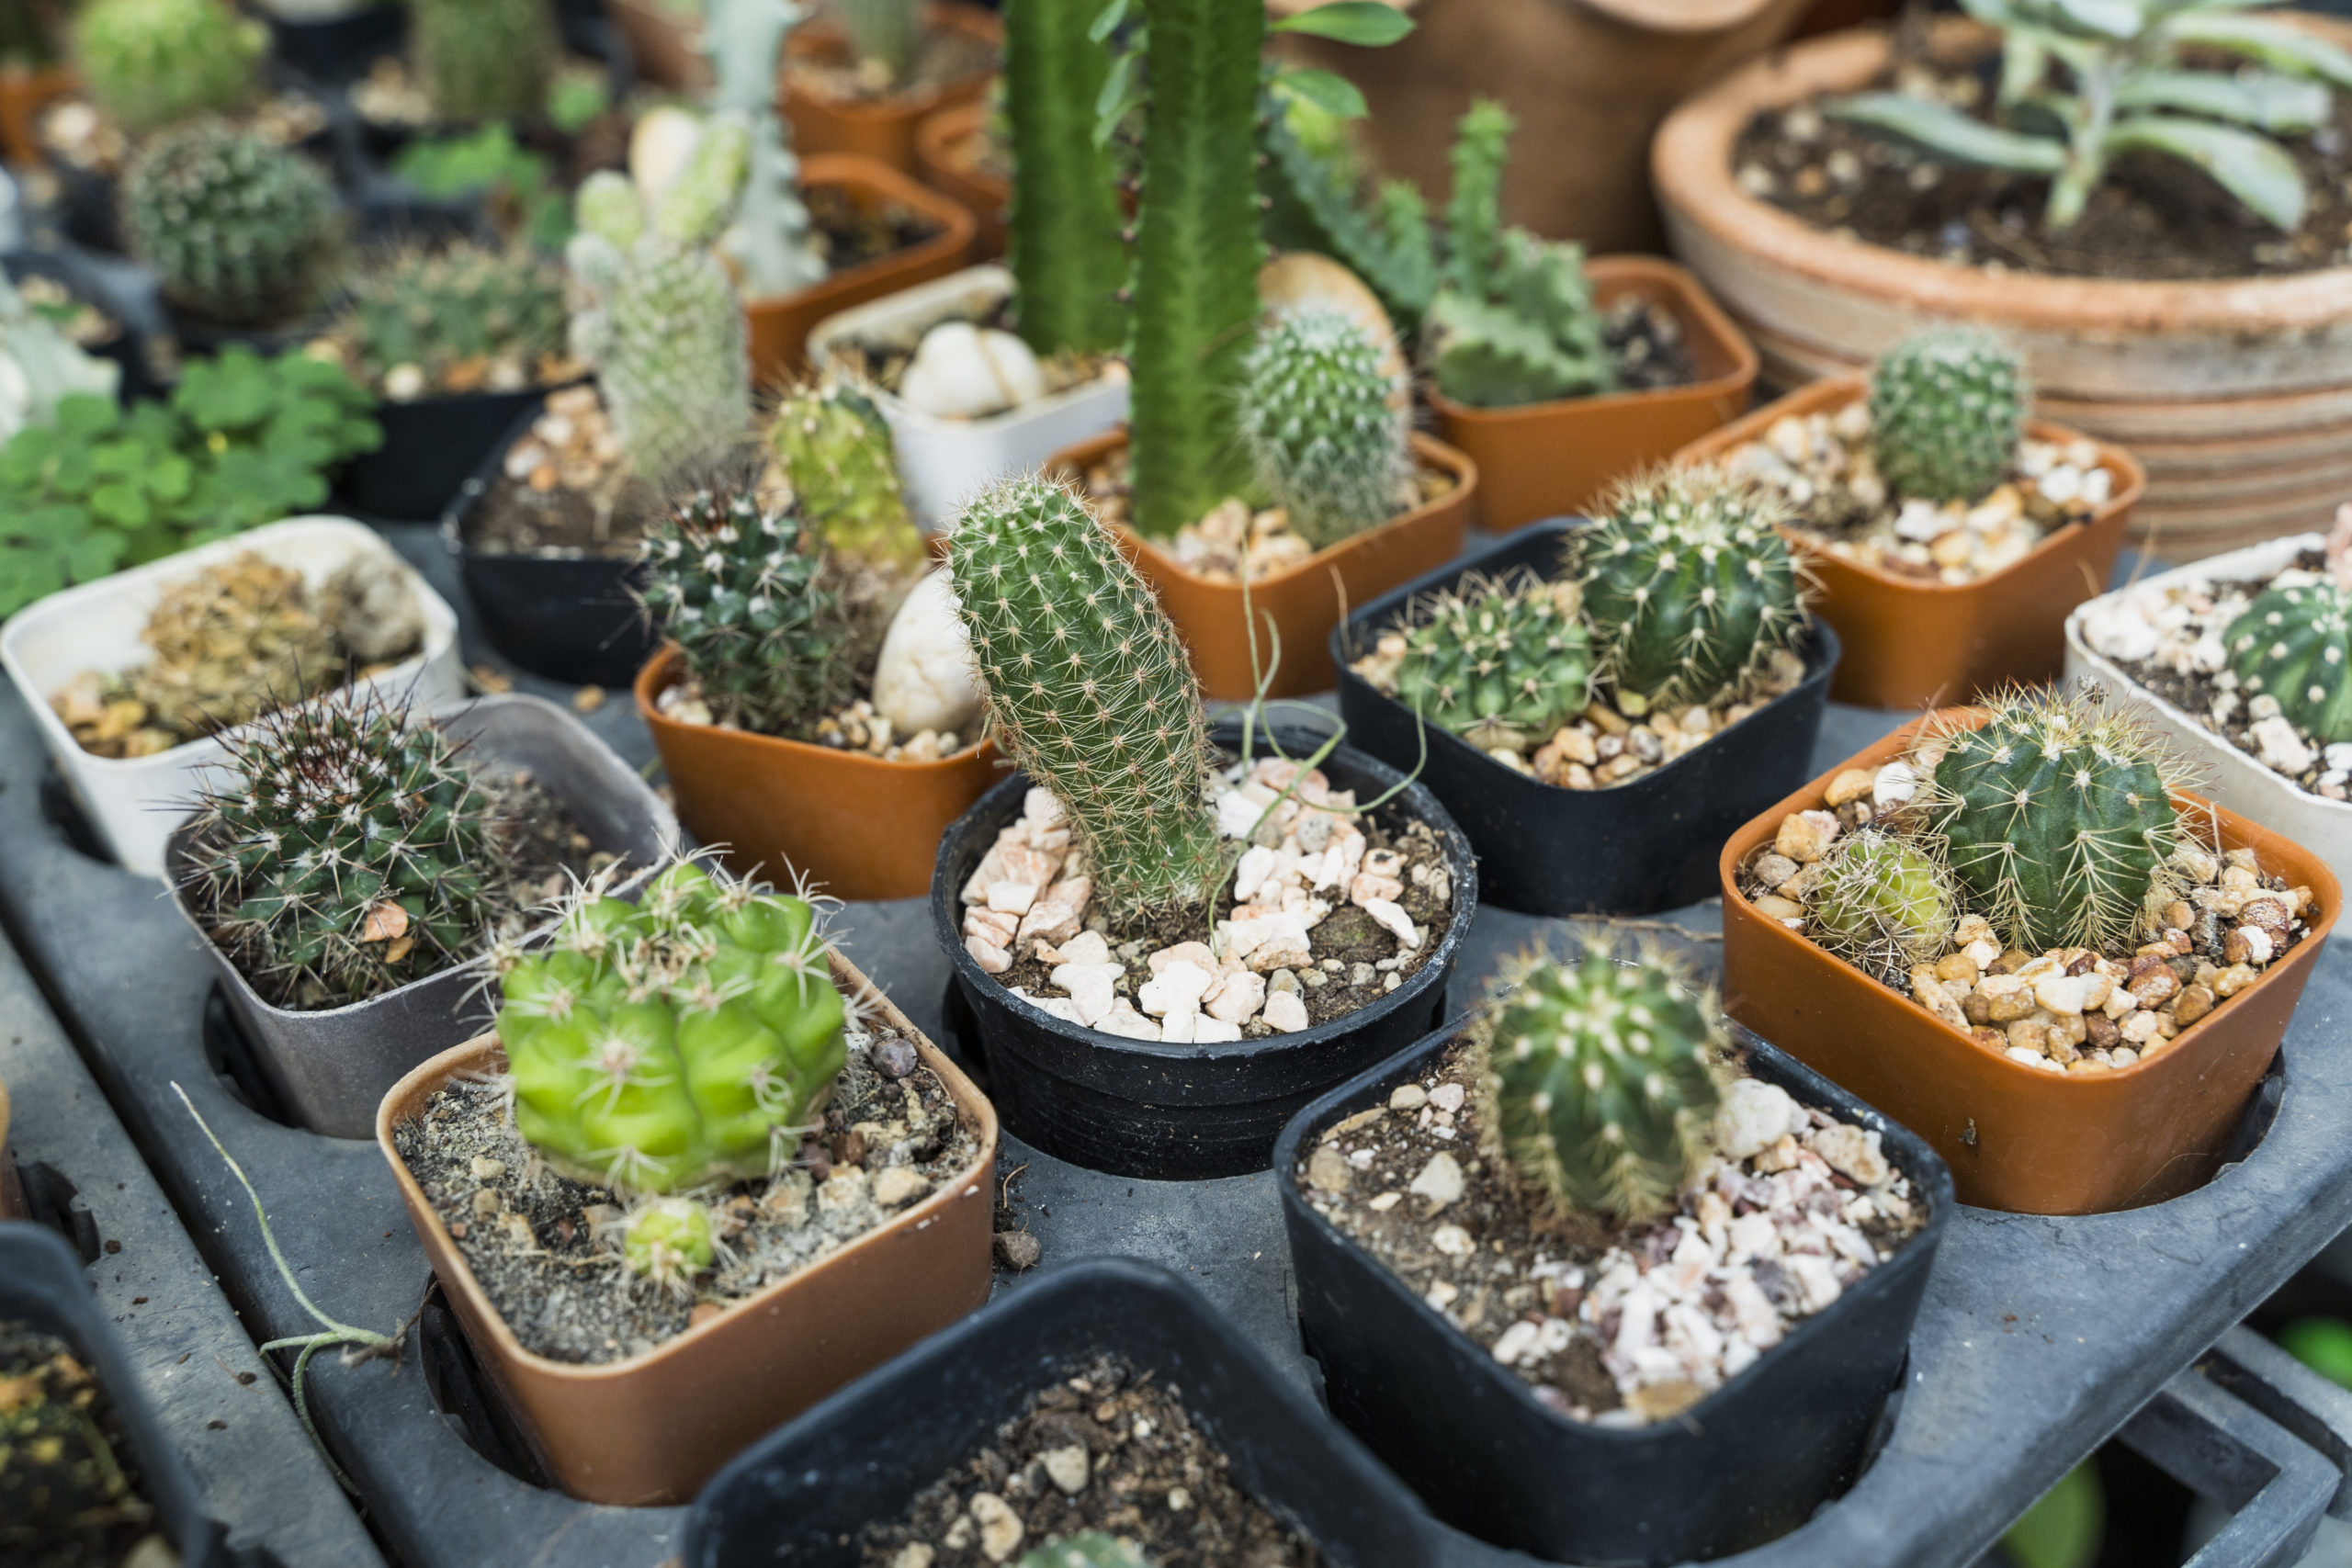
x=836, y=451
x=1092, y=1550
x=1326, y=414
x=1498, y=663
x=1947, y=410
x=464, y=317
x=484, y=59
x=151, y=62
x=1884, y=902
x=2294, y=644
x=240, y=228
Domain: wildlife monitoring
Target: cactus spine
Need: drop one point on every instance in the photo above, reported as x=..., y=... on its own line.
x=1883, y=903
x=1602, y=1079
x=837, y=452
x=1500, y=664
x=1947, y=409
x=240, y=228
x=2295, y=643
x=771, y=240
x=1092, y=1550
x=151, y=63
x=462, y=309
x=484, y=59
x=1689, y=586
x=1088, y=686
x=1068, y=259
x=1328, y=423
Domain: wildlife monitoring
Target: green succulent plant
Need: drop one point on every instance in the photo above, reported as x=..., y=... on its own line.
x=241, y=230
x=1327, y=420
x=517, y=185
x=1498, y=663
x=843, y=467
x=484, y=59
x=1321, y=198
x=459, y=306
x=150, y=63
x=1948, y=408
x=2293, y=645
x=1092, y=1550
x=1884, y=902
x=1068, y=255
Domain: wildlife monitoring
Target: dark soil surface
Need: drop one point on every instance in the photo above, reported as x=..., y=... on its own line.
x=851, y=233
x=1149, y=1477
x=1647, y=342
x=513, y=519
x=69, y=1485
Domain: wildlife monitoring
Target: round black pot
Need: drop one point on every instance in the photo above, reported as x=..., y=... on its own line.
x=1183, y=1112
x=1542, y=850
x=333, y=54
x=431, y=446
x=1747, y=1464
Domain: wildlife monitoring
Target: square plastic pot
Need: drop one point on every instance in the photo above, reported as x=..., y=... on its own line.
x=1304, y=602
x=806, y=1492
x=2017, y=1137
x=987, y=195
x=1749, y=1462
x=1184, y=1113
x=653, y=1428
x=328, y=1068
x=431, y=446
x=1640, y=847
x=945, y=461
x=1549, y=458
x=134, y=802
x=1911, y=644
x=881, y=129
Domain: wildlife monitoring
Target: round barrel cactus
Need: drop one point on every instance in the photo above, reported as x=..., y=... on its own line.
x=1500, y=664
x=1947, y=409
x=240, y=228
x=2295, y=643
x=1326, y=413
x=1882, y=902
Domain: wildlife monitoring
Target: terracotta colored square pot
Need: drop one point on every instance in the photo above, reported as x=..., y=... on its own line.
x=652, y=1428
x=881, y=129
x=1911, y=644
x=1306, y=602
x=1557, y=459
x=23, y=94
x=780, y=326
x=859, y=827
x=988, y=194
x=2017, y=1137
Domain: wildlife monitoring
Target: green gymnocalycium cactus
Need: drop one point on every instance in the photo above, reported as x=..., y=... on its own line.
x=1068, y=254
x=1092, y=1550
x=484, y=59
x=1089, y=688
x=2295, y=643
x=1688, y=586
x=1602, y=1079
x=151, y=62
x=1884, y=902
x=240, y=228
x=1500, y=663
x=1326, y=414
x=837, y=452
x=462, y=305
x=2058, y=819
x=1947, y=410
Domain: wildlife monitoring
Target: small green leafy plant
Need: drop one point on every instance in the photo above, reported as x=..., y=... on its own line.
x=517, y=184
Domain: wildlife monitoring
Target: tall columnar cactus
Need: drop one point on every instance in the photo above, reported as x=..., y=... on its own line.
x=746, y=598
x=240, y=228
x=459, y=307
x=351, y=853
x=1069, y=262
x=484, y=59
x=2295, y=643
x=1602, y=1079
x=1884, y=902
x=151, y=63
x=1088, y=686
x=1197, y=254
x=837, y=452
x=1947, y=409
x=1092, y=1550
x=887, y=32
x=2058, y=818
x=771, y=241
x=1326, y=414
x=1688, y=586
x=1500, y=664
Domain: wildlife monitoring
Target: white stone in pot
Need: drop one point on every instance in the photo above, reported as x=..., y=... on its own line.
x=924, y=678
x=961, y=371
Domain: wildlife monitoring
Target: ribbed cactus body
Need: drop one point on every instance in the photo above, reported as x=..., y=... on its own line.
x=1500, y=664
x=484, y=59
x=843, y=467
x=1326, y=416
x=151, y=63
x=240, y=229
x=2295, y=643
x=1316, y=190
x=1068, y=259
x=1883, y=902
x=668, y=1241
x=1947, y=410
x=1089, y=688
x=233, y=642
x=461, y=306
x=686, y=1038
x=1092, y=1550
x=2059, y=819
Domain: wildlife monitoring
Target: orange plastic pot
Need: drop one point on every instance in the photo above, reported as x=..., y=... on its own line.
x=1306, y=602
x=652, y=1428
x=1911, y=644
x=780, y=324
x=1557, y=459
x=2018, y=1137
x=23, y=94
x=665, y=47
x=882, y=128
x=860, y=827
x=942, y=141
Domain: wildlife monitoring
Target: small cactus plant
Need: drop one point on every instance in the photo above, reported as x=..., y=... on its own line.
x=1884, y=902
x=150, y=63
x=1500, y=664
x=2295, y=643
x=1688, y=586
x=1092, y=1550
x=1602, y=1079
x=461, y=314
x=1326, y=414
x=240, y=228
x=484, y=59
x=1947, y=409
x=1068, y=259
x=668, y=1241
x=2058, y=819
x=836, y=450
x=1089, y=688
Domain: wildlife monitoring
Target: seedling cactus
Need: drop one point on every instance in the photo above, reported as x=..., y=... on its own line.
x=1092, y=1550
x=240, y=228
x=668, y=1241
x=1883, y=903
x=1500, y=664
x=466, y=313
x=837, y=452
x=1069, y=262
x=151, y=62
x=1326, y=414
x=2295, y=643
x=484, y=59
x=1947, y=409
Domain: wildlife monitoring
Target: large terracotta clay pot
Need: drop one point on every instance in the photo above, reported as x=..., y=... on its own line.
x=881, y=129
x=943, y=157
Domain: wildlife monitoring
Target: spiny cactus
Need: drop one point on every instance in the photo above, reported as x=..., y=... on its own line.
x=2058, y=819
x=1327, y=422
x=455, y=308
x=1947, y=409
x=771, y=240
x=1089, y=687
x=1688, y=586
x=350, y=853
x=1500, y=663
x=836, y=450
x=484, y=59
x=1068, y=259
x=233, y=642
x=1602, y=1079
x=2295, y=643
x=151, y=63
x=668, y=1241
x=1092, y=1550
x=240, y=228
x=887, y=32
x=1316, y=190
x=1884, y=902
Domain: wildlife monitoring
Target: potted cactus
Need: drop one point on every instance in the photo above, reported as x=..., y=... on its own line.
x=1128, y=1026
x=859, y=80
x=1519, y=1269
x=2070, y=972
x=794, y=1182
x=529, y=66
x=242, y=233
x=1949, y=534
x=1601, y=705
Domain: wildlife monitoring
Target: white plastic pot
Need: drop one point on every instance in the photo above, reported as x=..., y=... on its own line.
x=945, y=461
x=2227, y=774
x=134, y=803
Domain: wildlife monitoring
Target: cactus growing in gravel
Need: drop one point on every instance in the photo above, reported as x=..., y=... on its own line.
x=233, y=642
x=1602, y=1079
x=1326, y=418
x=460, y=309
x=1092, y=1550
x=1500, y=664
x=484, y=59
x=1068, y=259
x=1947, y=409
x=150, y=62
x=836, y=450
x=1884, y=902
x=771, y=240
x=2057, y=817
x=2295, y=643
x=1089, y=688
x=1688, y=585
x=240, y=228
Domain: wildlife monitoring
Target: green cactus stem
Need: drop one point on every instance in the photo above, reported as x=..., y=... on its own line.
x=484, y=59
x=668, y=1241
x=1314, y=182
x=1884, y=902
x=771, y=241
x=1326, y=414
x=1092, y=1550
x=1498, y=663
x=837, y=452
x=150, y=63
x=462, y=309
x=1947, y=410
x=2295, y=643
x=240, y=228
x=1068, y=258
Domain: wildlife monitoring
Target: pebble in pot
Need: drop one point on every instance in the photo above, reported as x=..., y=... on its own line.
x=962, y=371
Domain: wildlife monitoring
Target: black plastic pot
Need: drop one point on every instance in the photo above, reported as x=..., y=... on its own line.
x=591, y=36
x=1542, y=850
x=1183, y=1112
x=41, y=1284
x=802, y=1496
x=431, y=446
x=340, y=51
x=1747, y=1464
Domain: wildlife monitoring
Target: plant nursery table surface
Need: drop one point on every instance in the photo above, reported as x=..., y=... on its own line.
x=2038, y=1339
